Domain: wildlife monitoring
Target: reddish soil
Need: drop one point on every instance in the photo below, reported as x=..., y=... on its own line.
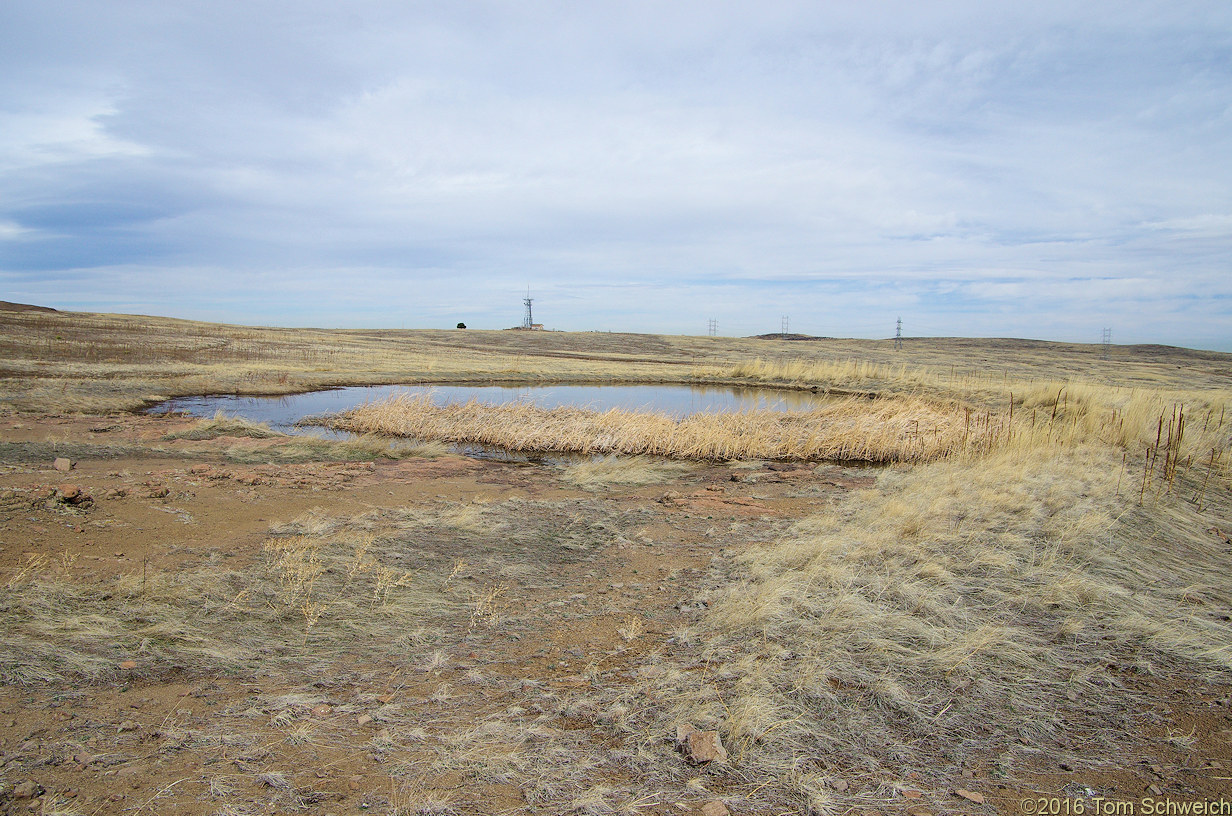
x=144, y=741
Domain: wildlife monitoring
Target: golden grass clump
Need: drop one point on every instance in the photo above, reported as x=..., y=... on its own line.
x=898, y=628
x=903, y=429
x=222, y=425
x=629, y=471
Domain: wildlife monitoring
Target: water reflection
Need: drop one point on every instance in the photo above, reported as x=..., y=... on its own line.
x=282, y=412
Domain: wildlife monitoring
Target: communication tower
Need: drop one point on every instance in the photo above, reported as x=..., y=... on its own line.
x=527, y=320
x=898, y=335
x=1107, y=343
x=713, y=328
x=783, y=334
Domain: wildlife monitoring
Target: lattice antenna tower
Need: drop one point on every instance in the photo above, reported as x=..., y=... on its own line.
x=527, y=320
x=898, y=335
x=713, y=328
x=1107, y=343
x=786, y=320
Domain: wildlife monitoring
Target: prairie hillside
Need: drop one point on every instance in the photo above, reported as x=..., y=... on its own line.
x=1016, y=589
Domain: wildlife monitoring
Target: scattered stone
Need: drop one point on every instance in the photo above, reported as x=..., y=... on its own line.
x=700, y=746
x=839, y=785
x=911, y=793
x=364, y=719
x=128, y=664
x=27, y=790
x=83, y=757
x=1155, y=789
x=968, y=773
x=715, y=808
x=321, y=710
x=63, y=465
x=127, y=725
x=971, y=796
x=159, y=492
x=73, y=494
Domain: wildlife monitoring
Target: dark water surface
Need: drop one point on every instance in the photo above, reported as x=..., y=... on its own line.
x=282, y=413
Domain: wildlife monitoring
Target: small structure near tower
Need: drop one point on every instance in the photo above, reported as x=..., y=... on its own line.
x=528, y=320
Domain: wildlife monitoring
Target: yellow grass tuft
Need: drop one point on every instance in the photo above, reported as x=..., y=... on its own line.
x=902, y=430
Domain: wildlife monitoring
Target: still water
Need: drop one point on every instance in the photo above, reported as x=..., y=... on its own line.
x=282, y=413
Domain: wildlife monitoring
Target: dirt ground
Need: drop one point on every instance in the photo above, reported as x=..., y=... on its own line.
x=507, y=697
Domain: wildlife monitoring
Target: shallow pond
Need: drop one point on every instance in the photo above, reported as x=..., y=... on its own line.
x=282, y=413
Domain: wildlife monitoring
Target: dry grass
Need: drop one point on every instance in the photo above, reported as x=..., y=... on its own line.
x=222, y=425
x=905, y=429
x=900, y=629
x=1042, y=542
x=316, y=596
x=99, y=362
x=628, y=471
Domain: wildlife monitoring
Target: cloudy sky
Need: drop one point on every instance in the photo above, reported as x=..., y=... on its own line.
x=1042, y=169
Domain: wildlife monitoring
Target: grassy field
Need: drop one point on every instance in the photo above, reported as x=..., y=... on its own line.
x=1047, y=539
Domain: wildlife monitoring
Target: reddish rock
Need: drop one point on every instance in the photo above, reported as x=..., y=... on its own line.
x=27, y=790
x=700, y=746
x=715, y=808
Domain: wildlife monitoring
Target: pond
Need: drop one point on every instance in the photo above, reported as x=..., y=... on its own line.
x=283, y=412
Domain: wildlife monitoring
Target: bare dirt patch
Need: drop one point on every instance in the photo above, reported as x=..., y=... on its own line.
x=215, y=634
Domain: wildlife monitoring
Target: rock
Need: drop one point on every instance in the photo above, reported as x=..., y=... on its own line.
x=72, y=494
x=27, y=790
x=364, y=719
x=159, y=493
x=840, y=785
x=715, y=808
x=971, y=796
x=63, y=465
x=321, y=710
x=127, y=725
x=700, y=746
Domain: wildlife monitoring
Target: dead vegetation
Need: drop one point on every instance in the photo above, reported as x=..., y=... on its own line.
x=1049, y=540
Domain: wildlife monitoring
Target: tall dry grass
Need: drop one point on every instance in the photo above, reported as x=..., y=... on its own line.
x=961, y=610
x=902, y=430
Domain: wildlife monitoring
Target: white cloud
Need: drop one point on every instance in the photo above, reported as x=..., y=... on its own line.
x=966, y=161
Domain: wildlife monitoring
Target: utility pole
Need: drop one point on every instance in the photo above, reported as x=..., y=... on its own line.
x=783, y=335
x=898, y=335
x=713, y=328
x=527, y=320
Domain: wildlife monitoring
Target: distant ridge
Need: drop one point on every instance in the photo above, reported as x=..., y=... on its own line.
x=5, y=306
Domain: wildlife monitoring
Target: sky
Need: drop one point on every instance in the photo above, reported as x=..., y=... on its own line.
x=1044, y=170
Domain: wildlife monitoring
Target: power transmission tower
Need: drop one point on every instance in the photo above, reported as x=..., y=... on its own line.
x=527, y=320
x=784, y=331
x=713, y=328
x=898, y=335
x=1107, y=343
